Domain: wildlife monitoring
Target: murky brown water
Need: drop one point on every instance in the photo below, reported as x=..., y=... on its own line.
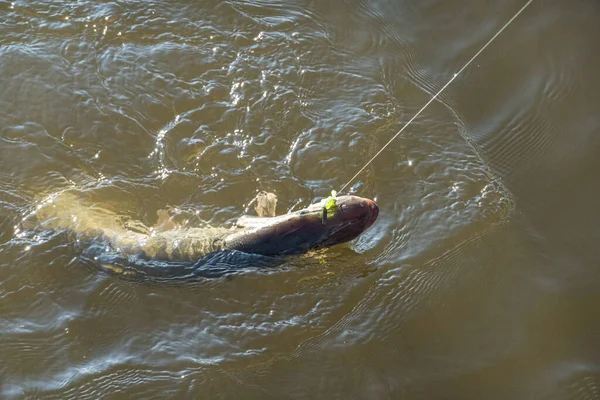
x=479, y=280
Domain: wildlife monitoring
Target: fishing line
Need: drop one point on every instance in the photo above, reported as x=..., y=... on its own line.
x=438, y=93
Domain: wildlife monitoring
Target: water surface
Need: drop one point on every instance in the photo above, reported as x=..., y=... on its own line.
x=479, y=279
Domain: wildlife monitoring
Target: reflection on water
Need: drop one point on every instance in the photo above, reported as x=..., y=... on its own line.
x=477, y=281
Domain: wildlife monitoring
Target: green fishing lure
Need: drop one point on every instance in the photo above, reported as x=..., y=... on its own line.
x=328, y=204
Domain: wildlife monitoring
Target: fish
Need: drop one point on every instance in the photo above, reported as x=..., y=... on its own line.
x=311, y=228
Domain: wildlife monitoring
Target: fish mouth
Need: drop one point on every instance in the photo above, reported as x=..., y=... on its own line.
x=373, y=211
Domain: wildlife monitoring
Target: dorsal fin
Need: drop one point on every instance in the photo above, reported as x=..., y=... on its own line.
x=265, y=204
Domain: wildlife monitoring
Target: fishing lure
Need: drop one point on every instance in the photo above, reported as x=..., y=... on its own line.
x=328, y=204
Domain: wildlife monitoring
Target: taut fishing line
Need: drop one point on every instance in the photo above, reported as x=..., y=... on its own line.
x=438, y=93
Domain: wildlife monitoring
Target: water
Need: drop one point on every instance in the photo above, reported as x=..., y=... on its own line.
x=479, y=279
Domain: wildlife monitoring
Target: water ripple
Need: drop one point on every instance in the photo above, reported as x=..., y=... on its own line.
x=143, y=106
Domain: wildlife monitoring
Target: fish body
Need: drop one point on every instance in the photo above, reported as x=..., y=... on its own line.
x=293, y=233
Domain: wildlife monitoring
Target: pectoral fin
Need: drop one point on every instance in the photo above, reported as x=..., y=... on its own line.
x=164, y=222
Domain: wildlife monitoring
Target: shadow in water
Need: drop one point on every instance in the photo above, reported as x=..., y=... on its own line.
x=215, y=265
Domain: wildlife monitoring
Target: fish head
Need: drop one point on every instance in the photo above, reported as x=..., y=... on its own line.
x=346, y=219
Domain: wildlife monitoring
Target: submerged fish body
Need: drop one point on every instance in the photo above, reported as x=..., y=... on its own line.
x=293, y=233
